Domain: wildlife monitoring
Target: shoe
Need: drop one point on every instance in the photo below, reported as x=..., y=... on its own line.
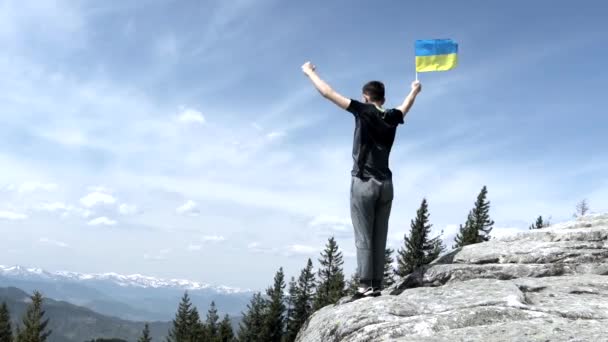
x=376, y=293
x=368, y=292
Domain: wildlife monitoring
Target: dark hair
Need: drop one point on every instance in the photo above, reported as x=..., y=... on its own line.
x=375, y=90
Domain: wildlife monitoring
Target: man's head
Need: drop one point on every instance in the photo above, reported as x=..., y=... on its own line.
x=373, y=92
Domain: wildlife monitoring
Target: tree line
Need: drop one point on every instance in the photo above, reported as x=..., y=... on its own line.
x=34, y=326
x=277, y=315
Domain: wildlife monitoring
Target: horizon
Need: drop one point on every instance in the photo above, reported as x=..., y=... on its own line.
x=181, y=140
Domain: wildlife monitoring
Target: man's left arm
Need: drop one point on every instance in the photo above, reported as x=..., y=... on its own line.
x=324, y=88
x=407, y=104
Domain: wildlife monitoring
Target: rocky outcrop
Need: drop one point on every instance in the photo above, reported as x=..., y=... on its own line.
x=544, y=285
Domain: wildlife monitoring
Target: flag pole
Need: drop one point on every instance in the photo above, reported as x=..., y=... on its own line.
x=416, y=75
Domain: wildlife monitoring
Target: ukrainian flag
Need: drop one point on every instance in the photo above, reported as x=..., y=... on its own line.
x=436, y=55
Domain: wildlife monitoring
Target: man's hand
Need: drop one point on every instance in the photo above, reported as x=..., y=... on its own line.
x=308, y=68
x=411, y=97
x=416, y=87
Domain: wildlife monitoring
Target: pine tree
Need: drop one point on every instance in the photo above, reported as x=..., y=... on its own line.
x=274, y=322
x=145, y=334
x=540, y=223
x=34, y=325
x=581, y=208
x=352, y=285
x=6, y=331
x=479, y=225
x=418, y=249
x=388, y=268
x=331, y=277
x=225, y=330
x=301, y=296
x=212, y=323
x=186, y=325
x=467, y=233
x=292, y=299
x=250, y=328
x=437, y=249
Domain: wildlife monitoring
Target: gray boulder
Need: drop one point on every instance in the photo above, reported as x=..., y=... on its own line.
x=549, y=284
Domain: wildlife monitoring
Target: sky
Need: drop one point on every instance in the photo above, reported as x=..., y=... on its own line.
x=180, y=139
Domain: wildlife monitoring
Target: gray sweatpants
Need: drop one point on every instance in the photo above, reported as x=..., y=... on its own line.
x=370, y=208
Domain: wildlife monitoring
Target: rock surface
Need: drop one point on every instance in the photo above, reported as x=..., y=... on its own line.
x=549, y=284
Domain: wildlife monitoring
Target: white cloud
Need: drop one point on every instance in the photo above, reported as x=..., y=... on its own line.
x=12, y=216
x=66, y=137
x=99, y=188
x=65, y=209
x=127, y=209
x=97, y=198
x=86, y=213
x=302, y=249
x=29, y=187
x=275, y=135
x=189, y=208
x=322, y=220
x=161, y=255
x=213, y=238
x=193, y=247
x=50, y=242
x=189, y=115
x=332, y=225
x=54, y=206
x=256, y=247
x=102, y=221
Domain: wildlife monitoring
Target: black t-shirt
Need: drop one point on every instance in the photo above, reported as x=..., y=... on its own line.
x=374, y=136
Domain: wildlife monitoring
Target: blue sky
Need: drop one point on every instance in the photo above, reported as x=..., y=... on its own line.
x=180, y=138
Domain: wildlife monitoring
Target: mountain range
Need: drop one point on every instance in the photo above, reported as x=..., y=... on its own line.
x=72, y=323
x=129, y=297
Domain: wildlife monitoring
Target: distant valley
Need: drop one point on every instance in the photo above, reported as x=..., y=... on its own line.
x=132, y=297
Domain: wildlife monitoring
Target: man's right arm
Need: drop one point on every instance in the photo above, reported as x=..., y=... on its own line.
x=324, y=89
x=411, y=97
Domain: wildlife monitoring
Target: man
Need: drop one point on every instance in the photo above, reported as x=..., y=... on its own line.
x=371, y=192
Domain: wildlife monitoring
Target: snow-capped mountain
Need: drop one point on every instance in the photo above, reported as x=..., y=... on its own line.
x=133, y=280
x=132, y=297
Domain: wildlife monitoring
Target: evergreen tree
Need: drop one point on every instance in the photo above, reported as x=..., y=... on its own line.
x=388, y=268
x=301, y=295
x=540, y=223
x=145, y=334
x=352, y=285
x=274, y=322
x=438, y=248
x=186, y=325
x=250, y=328
x=6, y=331
x=212, y=323
x=581, y=208
x=198, y=330
x=466, y=234
x=331, y=277
x=418, y=249
x=34, y=325
x=225, y=330
x=479, y=225
x=291, y=301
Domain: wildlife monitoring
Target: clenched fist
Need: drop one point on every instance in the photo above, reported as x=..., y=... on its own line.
x=416, y=87
x=308, y=68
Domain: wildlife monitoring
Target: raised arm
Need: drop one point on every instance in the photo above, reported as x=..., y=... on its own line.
x=411, y=97
x=324, y=88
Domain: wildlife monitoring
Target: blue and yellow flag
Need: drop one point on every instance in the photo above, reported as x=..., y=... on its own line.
x=436, y=55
